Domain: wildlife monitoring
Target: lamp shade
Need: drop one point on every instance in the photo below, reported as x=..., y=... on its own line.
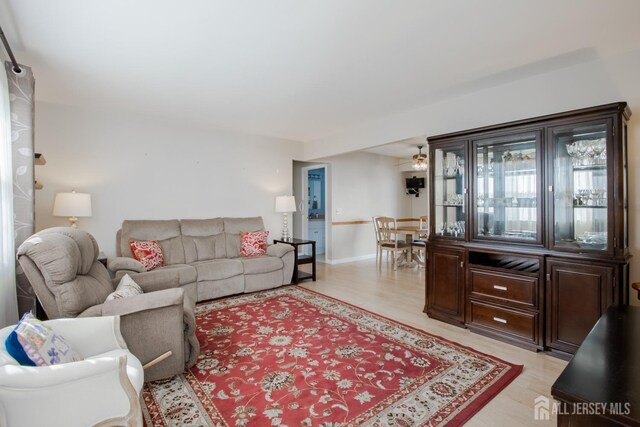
x=72, y=204
x=285, y=204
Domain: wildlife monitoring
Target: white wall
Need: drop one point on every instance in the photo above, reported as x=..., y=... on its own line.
x=361, y=185
x=419, y=206
x=137, y=167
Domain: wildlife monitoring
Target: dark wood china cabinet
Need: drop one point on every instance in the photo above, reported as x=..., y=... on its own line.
x=529, y=231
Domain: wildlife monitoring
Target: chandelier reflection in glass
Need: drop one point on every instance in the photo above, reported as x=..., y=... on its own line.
x=420, y=160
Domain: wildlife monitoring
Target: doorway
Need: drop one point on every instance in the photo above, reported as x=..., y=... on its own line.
x=315, y=202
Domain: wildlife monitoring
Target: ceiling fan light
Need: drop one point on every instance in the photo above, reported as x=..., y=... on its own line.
x=420, y=160
x=420, y=165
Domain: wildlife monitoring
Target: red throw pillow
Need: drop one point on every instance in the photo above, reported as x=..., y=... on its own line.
x=148, y=252
x=253, y=243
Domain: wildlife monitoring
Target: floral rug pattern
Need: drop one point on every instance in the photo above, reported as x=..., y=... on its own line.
x=290, y=357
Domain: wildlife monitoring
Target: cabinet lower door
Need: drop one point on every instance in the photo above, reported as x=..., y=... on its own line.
x=445, y=285
x=577, y=295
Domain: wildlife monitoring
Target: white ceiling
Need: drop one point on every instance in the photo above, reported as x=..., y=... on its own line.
x=300, y=69
x=405, y=148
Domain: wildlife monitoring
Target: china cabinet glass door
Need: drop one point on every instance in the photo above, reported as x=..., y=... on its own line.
x=507, y=188
x=581, y=193
x=449, y=186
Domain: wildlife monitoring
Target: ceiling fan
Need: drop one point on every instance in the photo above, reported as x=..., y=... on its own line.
x=420, y=160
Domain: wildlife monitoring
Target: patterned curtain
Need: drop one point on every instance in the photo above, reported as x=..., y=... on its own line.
x=8, y=307
x=21, y=88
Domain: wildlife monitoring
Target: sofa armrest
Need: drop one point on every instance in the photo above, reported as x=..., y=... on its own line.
x=279, y=249
x=125, y=263
x=157, y=280
x=284, y=252
x=37, y=378
x=151, y=281
x=153, y=324
x=143, y=302
x=71, y=394
x=90, y=335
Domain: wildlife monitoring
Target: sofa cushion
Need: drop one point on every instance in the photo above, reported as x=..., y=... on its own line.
x=126, y=288
x=167, y=232
x=67, y=262
x=186, y=273
x=75, y=296
x=232, y=229
x=202, y=248
x=201, y=227
x=218, y=269
x=148, y=253
x=65, y=253
x=261, y=264
x=203, y=239
x=253, y=243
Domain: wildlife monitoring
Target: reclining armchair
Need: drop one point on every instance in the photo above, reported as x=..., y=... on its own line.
x=103, y=389
x=62, y=265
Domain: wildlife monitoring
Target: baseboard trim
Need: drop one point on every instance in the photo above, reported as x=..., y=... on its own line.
x=352, y=259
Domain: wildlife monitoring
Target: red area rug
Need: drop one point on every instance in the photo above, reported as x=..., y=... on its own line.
x=291, y=357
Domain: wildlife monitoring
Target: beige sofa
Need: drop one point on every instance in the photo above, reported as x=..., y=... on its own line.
x=205, y=254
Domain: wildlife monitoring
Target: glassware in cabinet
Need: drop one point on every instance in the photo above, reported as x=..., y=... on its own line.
x=450, y=191
x=506, y=188
x=581, y=186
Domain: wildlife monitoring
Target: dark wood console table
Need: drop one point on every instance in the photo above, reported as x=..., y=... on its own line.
x=302, y=259
x=604, y=374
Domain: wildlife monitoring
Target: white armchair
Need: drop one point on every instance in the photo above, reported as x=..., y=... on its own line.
x=103, y=389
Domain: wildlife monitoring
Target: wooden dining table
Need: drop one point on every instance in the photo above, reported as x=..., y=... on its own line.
x=411, y=231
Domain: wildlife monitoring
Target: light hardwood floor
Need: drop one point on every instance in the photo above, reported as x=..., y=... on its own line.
x=399, y=295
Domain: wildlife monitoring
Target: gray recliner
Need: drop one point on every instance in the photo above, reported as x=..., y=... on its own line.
x=62, y=265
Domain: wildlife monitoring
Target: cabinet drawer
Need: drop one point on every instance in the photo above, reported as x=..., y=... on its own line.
x=520, y=324
x=518, y=289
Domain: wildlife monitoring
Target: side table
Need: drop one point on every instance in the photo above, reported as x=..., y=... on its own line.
x=301, y=259
x=102, y=258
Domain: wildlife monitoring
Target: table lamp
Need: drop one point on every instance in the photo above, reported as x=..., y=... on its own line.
x=284, y=205
x=72, y=205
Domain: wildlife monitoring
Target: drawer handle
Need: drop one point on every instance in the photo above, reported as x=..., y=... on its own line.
x=500, y=288
x=499, y=319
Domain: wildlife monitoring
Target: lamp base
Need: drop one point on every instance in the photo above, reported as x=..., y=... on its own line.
x=72, y=222
x=285, y=226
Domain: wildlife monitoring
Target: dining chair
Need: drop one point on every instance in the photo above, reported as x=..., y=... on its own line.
x=377, y=232
x=423, y=232
x=389, y=240
x=419, y=243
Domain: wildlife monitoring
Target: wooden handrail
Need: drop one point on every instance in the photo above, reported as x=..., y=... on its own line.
x=364, y=221
x=350, y=222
